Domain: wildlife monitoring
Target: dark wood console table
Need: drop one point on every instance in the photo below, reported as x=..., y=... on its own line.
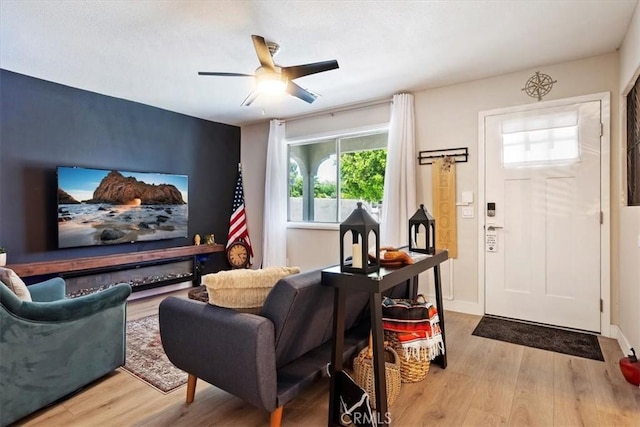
x=375, y=284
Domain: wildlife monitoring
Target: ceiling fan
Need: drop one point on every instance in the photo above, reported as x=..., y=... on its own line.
x=272, y=78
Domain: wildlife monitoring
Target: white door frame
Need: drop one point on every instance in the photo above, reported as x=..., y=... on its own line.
x=605, y=200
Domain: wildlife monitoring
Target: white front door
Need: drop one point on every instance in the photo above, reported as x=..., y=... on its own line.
x=542, y=237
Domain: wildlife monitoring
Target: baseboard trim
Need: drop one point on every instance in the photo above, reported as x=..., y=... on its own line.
x=624, y=344
x=464, y=307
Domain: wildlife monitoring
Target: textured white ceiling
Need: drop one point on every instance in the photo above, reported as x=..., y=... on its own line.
x=151, y=51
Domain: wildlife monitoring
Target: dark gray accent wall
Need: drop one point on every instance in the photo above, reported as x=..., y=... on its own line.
x=44, y=125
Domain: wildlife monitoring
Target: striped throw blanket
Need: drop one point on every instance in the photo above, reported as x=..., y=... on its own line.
x=416, y=324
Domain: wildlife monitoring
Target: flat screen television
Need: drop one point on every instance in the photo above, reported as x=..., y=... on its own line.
x=106, y=207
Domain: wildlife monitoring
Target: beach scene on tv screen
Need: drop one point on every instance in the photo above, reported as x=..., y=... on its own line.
x=106, y=207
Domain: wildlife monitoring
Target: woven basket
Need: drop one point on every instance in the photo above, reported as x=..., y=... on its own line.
x=412, y=370
x=363, y=373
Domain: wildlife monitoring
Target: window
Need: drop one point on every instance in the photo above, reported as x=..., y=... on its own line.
x=328, y=176
x=543, y=139
x=633, y=145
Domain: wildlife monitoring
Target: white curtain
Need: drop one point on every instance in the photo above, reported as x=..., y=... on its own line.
x=399, y=196
x=274, y=231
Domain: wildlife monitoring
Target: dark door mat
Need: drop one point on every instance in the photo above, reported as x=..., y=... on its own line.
x=542, y=337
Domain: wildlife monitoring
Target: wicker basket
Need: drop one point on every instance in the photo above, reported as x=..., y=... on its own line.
x=363, y=373
x=412, y=370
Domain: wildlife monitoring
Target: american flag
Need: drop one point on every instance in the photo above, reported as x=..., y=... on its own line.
x=238, y=223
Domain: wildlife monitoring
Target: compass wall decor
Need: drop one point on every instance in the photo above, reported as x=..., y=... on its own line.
x=539, y=85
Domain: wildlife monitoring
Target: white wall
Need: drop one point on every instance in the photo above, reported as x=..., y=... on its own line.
x=312, y=249
x=253, y=155
x=447, y=117
x=317, y=248
x=307, y=249
x=629, y=305
x=629, y=248
x=630, y=53
x=359, y=116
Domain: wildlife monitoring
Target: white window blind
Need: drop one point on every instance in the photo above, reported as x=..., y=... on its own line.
x=541, y=140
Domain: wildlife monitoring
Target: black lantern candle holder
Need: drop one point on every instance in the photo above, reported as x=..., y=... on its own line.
x=361, y=226
x=422, y=232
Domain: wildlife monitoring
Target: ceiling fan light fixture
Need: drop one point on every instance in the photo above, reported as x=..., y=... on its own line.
x=271, y=79
x=271, y=83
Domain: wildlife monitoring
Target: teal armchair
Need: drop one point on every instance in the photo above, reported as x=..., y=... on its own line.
x=53, y=346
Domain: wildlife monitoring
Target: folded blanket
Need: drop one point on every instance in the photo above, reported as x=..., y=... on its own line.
x=420, y=346
x=417, y=327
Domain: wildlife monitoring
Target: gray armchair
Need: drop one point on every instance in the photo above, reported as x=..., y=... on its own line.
x=53, y=346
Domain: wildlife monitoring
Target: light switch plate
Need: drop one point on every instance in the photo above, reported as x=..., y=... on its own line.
x=467, y=197
x=467, y=212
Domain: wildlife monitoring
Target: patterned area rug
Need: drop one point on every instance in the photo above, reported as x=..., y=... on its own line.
x=146, y=359
x=543, y=337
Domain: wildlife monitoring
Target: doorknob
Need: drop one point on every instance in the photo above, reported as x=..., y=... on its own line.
x=493, y=226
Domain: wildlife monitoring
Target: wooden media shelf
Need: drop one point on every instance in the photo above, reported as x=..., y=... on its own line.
x=90, y=263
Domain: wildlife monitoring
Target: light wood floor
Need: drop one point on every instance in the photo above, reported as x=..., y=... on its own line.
x=486, y=383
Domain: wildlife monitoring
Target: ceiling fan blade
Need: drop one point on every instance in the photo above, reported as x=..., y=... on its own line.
x=250, y=98
x=213, y=73
x=264, y=56
x=296, y=71
x=297, y=91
